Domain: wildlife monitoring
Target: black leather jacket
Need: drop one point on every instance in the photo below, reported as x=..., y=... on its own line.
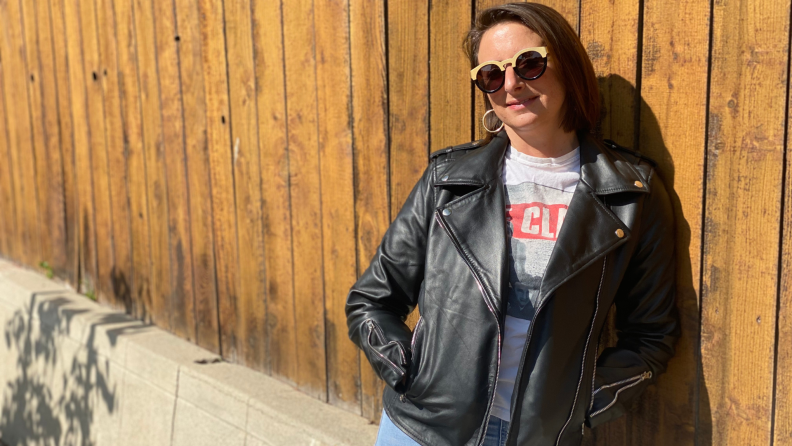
x=446, y=252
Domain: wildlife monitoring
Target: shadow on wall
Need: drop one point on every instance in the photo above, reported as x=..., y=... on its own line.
x=52, y=395
x=677, y=409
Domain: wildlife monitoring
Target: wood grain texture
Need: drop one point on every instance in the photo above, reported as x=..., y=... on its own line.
x=134, y=151
x=66, y=132
x=570, y=9
x=370, y=133
x=741, y=233
x=408, y=97
x=609, y=32
x=53, y=161
x=87, y=272
x=672, y=131
x=198, y=175
x=408, y=101
x=39, y=175
x=103, y=218
x=12, y=45
x=450, y=89
x=301, y=77
x=9, y=247
x=218, y=136
x=250, y=329
x=156, y=309
x=121, y=270
x=782, y=431
x=180, y=298
x=272, y=124
x=334, y=102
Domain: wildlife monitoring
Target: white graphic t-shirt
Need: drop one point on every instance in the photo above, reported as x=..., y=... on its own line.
x=538, y=192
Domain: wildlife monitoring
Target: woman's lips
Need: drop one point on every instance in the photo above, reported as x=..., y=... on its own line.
x=522, y=104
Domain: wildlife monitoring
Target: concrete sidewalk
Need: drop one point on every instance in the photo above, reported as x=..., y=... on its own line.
x=74, y=372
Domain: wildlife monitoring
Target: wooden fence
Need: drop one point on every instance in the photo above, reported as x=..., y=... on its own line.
x=225, y=169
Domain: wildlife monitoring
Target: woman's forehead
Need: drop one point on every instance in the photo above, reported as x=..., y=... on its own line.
x=504, y=39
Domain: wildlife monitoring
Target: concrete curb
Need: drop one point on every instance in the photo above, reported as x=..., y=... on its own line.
x=74, y=372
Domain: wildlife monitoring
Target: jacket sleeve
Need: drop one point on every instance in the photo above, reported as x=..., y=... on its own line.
x=379, y=302
x=646, y=317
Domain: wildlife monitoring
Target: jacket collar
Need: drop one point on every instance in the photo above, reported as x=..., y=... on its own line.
x=597, y=169
x=478, y=224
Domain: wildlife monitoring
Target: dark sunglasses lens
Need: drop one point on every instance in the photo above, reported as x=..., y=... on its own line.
x=489, y=78
x=530, y=65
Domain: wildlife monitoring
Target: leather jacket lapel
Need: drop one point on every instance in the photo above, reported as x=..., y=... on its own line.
x=477, y=221
x=590, y=229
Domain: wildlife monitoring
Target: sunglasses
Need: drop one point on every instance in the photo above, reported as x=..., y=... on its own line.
x=529, y=64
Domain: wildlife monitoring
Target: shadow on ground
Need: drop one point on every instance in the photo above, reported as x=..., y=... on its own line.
x=52, y=395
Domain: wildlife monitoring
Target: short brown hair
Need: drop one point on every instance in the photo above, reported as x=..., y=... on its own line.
x=581, y=105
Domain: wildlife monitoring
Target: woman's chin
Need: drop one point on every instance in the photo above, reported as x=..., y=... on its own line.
x=524, y=123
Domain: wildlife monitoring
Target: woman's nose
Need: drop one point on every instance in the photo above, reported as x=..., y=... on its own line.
x=512, y=82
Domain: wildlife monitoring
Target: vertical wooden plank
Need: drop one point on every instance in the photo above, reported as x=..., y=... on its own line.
x=271, y=100
x=97, y=137
x=300, y=60
x=338, y=196
x=82, y=157
x=408, y=96
x=54, y=180
x=39, y=175
x=408, y=100
x=570, y=9
x=250, y=330
x=8, y=237
x=740, y=267
x=134, y=150
x=180, y=298
x=67, y=140
x=220, y=156
x=609, y=32
x=782, y=432
x=196, y=148
x=370, y=139
x=450, y=89
x=157, y=187
x=121, y=271
x=19, y=130
x=672, y=131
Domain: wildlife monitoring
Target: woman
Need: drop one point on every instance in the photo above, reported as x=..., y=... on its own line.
x=514, y=248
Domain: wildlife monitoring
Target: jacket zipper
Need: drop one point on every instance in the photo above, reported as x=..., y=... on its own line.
x=492, y=310
x=637, y=379
x=585, y=352
x=593, y=376
x=415, y=335
x=372, y=327
x=642, y=376
x=530, y=333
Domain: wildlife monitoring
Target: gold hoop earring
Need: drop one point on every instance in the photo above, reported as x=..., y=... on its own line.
x=484, y=122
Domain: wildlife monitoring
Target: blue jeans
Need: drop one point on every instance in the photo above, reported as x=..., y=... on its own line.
x=390, y=435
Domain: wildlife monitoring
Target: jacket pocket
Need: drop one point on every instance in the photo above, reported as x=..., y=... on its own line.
x=416, y=345
x=389, y=359
x=606, y=396
x=415, y=349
